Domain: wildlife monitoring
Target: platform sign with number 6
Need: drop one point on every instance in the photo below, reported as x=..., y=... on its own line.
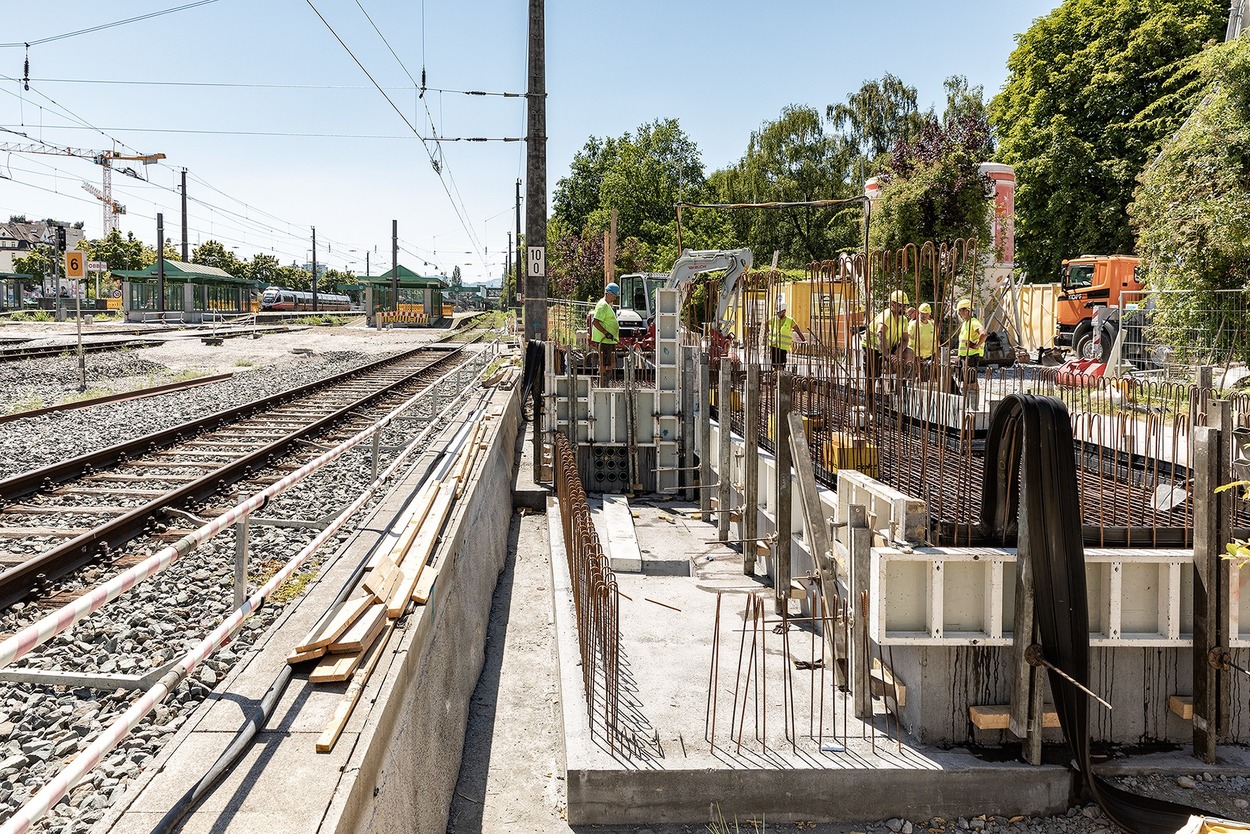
x=74, y=264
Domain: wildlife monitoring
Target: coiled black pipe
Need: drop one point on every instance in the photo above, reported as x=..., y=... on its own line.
x=1030, y=489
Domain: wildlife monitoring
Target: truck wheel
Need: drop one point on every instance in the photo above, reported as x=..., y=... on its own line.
x=1083, y=341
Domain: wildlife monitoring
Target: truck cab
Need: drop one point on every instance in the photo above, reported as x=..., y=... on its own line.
x=1089, y=282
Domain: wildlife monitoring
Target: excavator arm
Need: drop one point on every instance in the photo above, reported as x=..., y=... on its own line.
x=692, y=264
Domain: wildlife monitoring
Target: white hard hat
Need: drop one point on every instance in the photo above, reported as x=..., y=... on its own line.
x=781, y=303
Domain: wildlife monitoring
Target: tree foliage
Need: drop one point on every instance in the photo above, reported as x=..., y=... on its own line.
x=38, y=265
x=877, y=117
x=792, y=159
x=643, y=175
x=119, y=252
x=931, y=187
x=1192, y=210
x=1093, y=89
x=215, y=254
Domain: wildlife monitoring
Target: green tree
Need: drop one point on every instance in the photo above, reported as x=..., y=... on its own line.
x=119, y=252
x=456, y=280
x=931, y=188
x=578, y=194
x=38, y=265
x=791, y=159
x=213, y=253
x=262, y=268
x=874, y=119
x=643, y=175
x=1192, y=215
x=1093, y=88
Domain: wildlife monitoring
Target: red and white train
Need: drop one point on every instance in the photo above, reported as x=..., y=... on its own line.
x=280, y=300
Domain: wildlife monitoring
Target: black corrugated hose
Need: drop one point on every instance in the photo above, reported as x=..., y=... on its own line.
x=1030, y=443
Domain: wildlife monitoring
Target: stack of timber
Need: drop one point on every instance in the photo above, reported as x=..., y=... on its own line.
x=348, y=641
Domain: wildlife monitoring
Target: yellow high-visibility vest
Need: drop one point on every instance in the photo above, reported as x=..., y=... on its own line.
x=895, y=327
x=922, y=338
x=781, y=332
x=968, y=332
x=605, y=314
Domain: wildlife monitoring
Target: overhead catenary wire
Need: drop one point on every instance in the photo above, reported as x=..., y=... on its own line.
x=457, y=208
x=101, y=27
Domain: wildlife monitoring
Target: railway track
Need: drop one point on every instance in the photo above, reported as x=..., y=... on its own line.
x=59, y=518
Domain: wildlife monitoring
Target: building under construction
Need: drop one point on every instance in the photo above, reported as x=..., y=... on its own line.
x=924, y=558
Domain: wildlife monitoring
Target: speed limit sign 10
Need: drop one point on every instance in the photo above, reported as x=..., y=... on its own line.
x=74, y=262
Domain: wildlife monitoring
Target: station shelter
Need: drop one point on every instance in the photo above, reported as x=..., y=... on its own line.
x=420, y=298
x=193, y=292
x=12, y=290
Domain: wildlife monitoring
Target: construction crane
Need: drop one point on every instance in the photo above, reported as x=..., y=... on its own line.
x=112, y=208
x=104, y=159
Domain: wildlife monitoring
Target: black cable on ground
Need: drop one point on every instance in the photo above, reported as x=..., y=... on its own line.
x=1030, y=484
x=256, y=721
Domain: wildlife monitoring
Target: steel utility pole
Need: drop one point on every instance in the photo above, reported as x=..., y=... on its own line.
x=160, y=264
x=535, y=310
x=518, y=288
x=395, y=265
x=186, y=252
x=507, y=273
x=314, y=266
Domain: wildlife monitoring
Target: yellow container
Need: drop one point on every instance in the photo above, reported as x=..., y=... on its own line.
x=846, y=451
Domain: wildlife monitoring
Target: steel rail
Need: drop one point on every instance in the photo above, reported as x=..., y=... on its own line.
x=39, y=352
x=94, y=753
x=18, y=645
x=28, y=482
x=19, y=581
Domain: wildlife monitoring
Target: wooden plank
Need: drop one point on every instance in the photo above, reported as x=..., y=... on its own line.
x=998, y=716
x=424, y=544
x=336, y=621
x=421, y=594
x=334, y=668
x=418, y=509
x=397, y=602
x=381, y=579
x=330, y=736
x=886, y=686
x=303, y=657
x=1182, y=705
x=363, y=631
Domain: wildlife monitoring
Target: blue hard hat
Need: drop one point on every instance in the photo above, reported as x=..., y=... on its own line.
x=613, y=288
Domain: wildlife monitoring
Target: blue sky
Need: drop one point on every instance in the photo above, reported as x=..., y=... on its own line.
x=280, y=129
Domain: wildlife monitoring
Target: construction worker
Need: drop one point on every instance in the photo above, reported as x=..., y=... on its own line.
x=971, y=348
x=782, y=331
x=886, y=337
x=922, y=338
x=605, y=332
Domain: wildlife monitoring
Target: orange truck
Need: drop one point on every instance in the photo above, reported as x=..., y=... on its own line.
x=1090, y=282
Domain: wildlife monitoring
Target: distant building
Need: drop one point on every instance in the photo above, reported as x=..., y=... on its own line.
x=18, y=239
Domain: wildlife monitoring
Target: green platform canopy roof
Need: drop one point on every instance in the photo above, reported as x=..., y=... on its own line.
x=183, y=272
x=22, y=275
x=407, y=279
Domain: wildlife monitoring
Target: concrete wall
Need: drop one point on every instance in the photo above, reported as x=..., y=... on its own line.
x=403, y=774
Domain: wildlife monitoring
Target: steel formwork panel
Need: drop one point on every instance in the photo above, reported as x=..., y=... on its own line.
x=966, y=596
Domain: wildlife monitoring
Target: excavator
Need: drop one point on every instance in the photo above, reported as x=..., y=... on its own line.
x=636, y=315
